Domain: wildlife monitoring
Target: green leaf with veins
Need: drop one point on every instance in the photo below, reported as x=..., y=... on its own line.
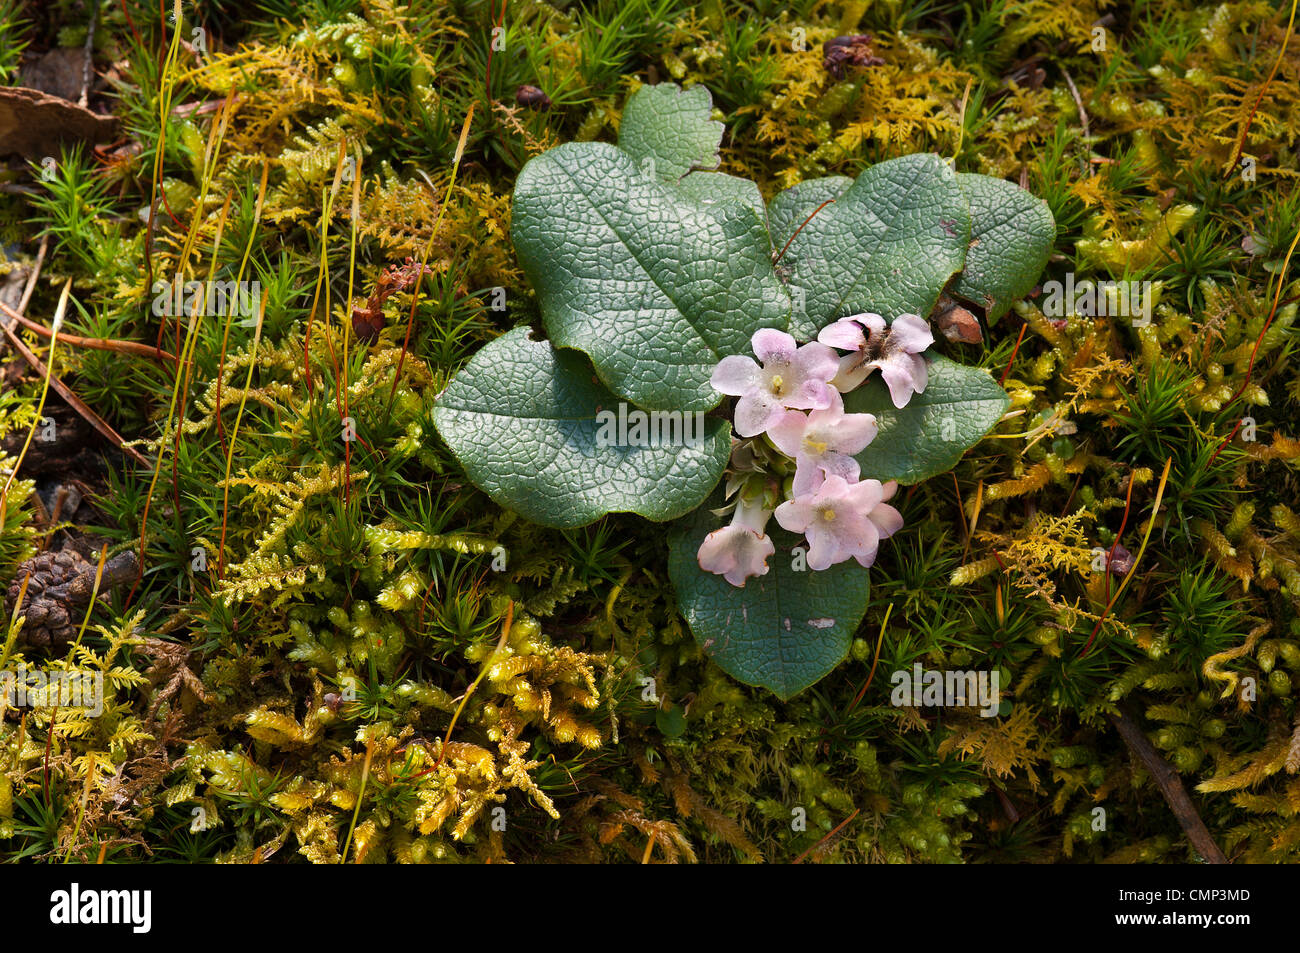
x=669, y=130
x=654, y=287
x=711, y=189
x=791, y=208
x=959, y=406
x=782, y=631
x=888, y=244
x=671, y=127
x=521, y=419
x=1012, y=233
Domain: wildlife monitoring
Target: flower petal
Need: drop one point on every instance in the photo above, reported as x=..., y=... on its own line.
x=817, y=362
x=886, y=519
x=787, y=433
x=755, y=414
x=813, y=395
x=910, y=333
x=809, y=475
x=854, y=431
x=864, y=496
x=794, y=515
x=920, y=372
x=898, y=376
x=868, y=545
x=772, y=345
x=755, y=564
x=736, y=375
x=735, y=553
x=717, y=553
x=845, y=334
x=751, y=515
x=824, y=549
x=851, y=373
x=873, y=322
x=842, y=466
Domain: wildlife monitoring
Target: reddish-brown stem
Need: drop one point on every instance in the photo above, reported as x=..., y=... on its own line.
x=829, y=834
x=1014, y=351
x=1110, y=555
x=72, y=399
x=1245, y=129
x=1216, y=453
x=487, y=76
x=800, y=229
x=97, y=344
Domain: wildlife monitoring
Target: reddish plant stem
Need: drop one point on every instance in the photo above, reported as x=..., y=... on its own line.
x=1014, y=351
x=829, y=834
x=800, y=229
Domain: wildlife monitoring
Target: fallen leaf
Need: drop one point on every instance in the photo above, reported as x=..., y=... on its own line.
x=59, y=72
x=34, y=124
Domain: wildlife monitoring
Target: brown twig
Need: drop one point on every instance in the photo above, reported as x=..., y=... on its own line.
x=88, y=67
x=75, y=402
x=97, y=344
x=1171, y=786
x=36, y=273
x=1078, y=101
x=838, y=827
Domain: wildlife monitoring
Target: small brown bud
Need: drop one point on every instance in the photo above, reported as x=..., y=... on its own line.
x=532, y=98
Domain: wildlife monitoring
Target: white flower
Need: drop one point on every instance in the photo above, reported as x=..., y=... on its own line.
x=822, y=442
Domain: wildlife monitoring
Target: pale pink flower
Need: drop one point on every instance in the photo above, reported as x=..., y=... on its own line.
x=790, y=376
x=822, y=442
x=895, y=351
x=739, y=550
x=842, y=520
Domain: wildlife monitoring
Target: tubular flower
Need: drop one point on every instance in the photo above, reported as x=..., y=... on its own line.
x=739, y=550
x=822, y=442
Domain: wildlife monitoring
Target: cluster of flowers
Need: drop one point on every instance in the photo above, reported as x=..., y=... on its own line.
x=791, y=406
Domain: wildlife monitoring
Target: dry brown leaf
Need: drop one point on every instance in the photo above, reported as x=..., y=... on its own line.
x=34, y=124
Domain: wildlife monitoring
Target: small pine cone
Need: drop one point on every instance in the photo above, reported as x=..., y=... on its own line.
x=59, y=591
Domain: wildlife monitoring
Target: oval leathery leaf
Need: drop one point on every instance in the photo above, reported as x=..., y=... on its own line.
x=782, y=631
x=522, y=419
x=652, y=286
x=958, y=407
x=1011, y=238
x=887, y=245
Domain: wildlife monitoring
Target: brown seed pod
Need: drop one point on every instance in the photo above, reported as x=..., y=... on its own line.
x=368, y=319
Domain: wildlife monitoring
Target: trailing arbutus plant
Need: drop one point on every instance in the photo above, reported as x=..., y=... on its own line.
x=666, y=289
